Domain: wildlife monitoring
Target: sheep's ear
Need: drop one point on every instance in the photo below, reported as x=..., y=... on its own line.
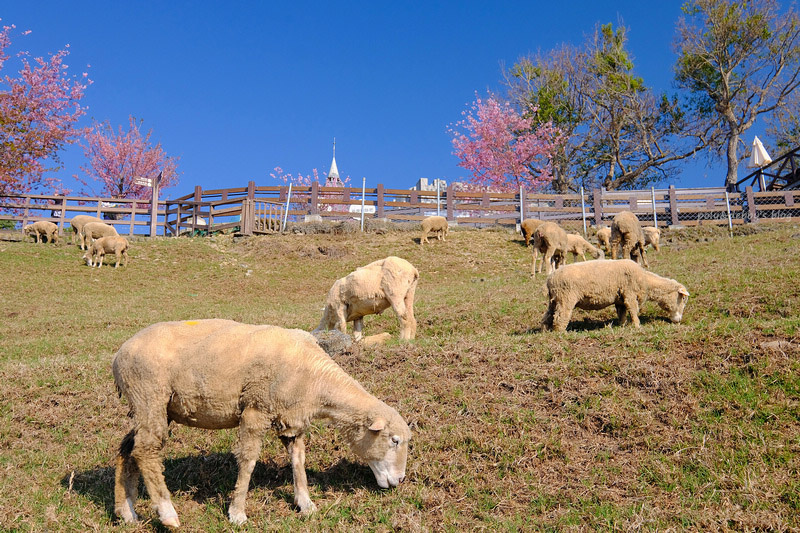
x=683, y=291
x=378, y=425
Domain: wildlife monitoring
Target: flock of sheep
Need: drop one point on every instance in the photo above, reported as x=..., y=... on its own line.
x=217, y=374
x=93, y=235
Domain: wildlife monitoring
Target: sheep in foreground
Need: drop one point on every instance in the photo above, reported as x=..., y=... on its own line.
x=369, y=290
x=96, y=230
x=42, y=229
x=217, y=374
x=604, y=239
x=434, y=224
x=577, y=245
x=652, y=235
x=97, y=251
x=527, y=227
x=78, y=222
x=551, y=241
x=627, y=235
x=593, y=285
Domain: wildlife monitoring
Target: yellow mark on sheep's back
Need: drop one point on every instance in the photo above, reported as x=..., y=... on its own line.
x=191, y=322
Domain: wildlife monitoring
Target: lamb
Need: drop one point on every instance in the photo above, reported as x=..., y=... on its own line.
x=78, y=222
x=527, y=227
x=370, y=290
x=40, y=229
x=551, y=240
x=593, y=285
x=577, y=245
x=434, y=224
x=97, y=251
x=652, y=235
x=217, y=374
x=626, y=232
x=96, y=230
x=604, y=238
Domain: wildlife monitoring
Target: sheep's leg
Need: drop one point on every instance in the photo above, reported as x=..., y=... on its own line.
x=148, y=443
x=632, y=304
x=358, y=326
x=296, y=447
x=409, y=304
x=126, y=481
x=102, y=256
x=341, y=319
x=119, y=258
x=252, y=426
x=622, y=313
x=644, y=257
x=405, y=314
x=548, y=260
x=424, y=238
x=125, y=258
x=614, y=249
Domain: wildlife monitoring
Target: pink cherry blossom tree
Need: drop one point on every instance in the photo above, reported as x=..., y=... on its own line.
x=502, y=149
x=39, y=110
x=117, y=158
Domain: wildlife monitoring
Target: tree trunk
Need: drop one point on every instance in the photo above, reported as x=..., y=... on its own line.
x=733, y=161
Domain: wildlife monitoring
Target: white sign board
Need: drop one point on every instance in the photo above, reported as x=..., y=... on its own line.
x=145, y=182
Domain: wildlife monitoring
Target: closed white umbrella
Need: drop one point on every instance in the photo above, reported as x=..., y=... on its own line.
x=759, y=157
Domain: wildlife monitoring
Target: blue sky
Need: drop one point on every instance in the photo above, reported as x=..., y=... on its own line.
x=235, y=89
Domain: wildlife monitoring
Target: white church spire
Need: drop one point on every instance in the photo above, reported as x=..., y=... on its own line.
x=333, y=174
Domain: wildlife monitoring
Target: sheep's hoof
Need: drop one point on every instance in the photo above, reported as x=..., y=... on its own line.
x=307, y=507
x=237, y=517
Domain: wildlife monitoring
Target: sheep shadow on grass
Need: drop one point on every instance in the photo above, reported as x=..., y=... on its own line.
x=593, y=324
x=204, y=478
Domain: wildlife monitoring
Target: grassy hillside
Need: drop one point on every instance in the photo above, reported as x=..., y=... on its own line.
x=693, y=426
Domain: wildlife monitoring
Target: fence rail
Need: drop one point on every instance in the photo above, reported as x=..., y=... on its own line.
x=253, y=209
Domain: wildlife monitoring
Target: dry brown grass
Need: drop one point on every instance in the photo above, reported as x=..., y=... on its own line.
x=686, y=427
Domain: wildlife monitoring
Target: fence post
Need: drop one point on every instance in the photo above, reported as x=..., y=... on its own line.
x=450, y=202
x=673, y=206
x=597, y=199
x=286, y=213
x=655, y=214
x=728, y=205
x=247, y=217
x=583, y=211
x=521, y=204
x=751, y=204
x=313, y=208
x=154, y=207
x=379, y=209
x=363, y=194
x=251, y=190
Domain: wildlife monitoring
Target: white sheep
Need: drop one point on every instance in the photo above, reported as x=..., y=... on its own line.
x=527, y=227
x=78, y=222
x=217, y=374
x=652, y=236
x=369, y=290
x=96, y=230
x=604, y=239
x=434, y=224
x=593, y=285
x=577, y=245
x=551, y=240
x=627, y=235
x=97, y=251
x=42, y=229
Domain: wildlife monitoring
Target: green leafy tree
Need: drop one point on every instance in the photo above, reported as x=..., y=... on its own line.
x=739, y=61
x=617, y=132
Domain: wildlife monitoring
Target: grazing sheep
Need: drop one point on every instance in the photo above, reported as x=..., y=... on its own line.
x=604, y=238
x=434, y=224
x=577, y=245
x=627, y=234
x=593, y=285
x=527, y=227
x=369, y=290
x=551, y=240
x=217, y=374
x=97, y=251
x=40, y=229
x=96, y=230
x=78, y=222
x=652, y=235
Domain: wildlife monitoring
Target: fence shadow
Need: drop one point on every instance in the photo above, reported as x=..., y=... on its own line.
x=207, y=477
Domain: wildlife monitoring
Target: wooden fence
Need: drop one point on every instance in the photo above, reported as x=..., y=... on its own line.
x=252, y=209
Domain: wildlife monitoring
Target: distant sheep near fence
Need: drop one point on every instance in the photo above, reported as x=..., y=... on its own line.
x=42, y=229
x=434, y=224
x=627, y=236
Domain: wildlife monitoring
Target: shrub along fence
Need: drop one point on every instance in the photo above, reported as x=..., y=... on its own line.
x=253, y=210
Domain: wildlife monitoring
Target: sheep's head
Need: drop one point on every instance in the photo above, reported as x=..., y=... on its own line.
x=384, y=446
x=675, y=302
x=87, y=257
